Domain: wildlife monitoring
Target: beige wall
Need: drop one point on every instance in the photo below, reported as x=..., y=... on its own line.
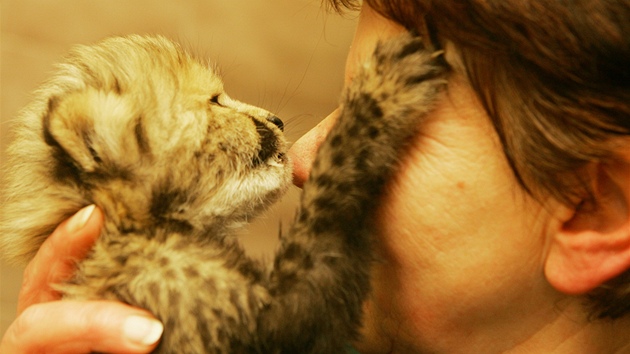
x=284, y=55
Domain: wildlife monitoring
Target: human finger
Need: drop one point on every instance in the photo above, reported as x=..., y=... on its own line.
x=82, y=327
x=56, y=259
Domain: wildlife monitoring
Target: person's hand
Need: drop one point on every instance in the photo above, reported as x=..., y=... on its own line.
x=47, y=325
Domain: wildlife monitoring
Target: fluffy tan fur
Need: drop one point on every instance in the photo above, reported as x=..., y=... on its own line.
x=140, y=128
x=105, y=98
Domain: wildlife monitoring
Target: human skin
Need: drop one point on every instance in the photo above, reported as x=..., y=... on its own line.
x=464, y=250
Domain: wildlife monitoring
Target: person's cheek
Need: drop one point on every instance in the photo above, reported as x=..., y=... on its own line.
x=303, y=151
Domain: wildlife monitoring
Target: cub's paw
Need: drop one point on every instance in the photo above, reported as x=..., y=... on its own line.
x=403, y=76
x=382, y=109
x=388, y=99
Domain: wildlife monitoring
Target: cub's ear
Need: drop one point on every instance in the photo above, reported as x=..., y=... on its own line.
x=68, y=128
x=593, y=244
x=87, y=127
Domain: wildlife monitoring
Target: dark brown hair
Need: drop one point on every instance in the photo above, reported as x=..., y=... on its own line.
x=554, y=78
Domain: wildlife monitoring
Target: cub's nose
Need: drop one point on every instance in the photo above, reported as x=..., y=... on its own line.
x=277, y=122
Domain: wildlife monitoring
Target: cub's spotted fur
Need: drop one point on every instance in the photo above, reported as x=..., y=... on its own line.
x=138, y=127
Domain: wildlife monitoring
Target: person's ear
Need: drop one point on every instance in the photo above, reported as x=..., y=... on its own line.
x=593, y=245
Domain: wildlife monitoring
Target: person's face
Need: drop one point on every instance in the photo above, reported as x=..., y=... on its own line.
x=461, y=245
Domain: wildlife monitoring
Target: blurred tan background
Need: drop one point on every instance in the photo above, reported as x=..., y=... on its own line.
x=284, y=55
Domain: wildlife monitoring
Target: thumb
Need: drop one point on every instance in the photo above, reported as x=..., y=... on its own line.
x=82, y=327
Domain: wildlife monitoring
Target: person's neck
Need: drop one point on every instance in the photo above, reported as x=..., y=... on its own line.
x=574, y=332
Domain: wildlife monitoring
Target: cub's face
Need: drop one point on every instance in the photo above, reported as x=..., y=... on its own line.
x=148, y=134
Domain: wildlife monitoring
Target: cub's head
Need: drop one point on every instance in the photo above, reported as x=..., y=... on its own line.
x=142, y=129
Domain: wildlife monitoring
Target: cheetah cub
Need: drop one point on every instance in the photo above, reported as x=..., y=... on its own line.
x=143, y=130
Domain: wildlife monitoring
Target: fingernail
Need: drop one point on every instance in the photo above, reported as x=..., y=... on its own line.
x=142, y=330
x=78, y=220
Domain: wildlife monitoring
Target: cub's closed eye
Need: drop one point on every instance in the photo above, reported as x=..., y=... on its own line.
x=215, y=100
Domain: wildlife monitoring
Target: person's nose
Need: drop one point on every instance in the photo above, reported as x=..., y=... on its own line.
x=304, y=150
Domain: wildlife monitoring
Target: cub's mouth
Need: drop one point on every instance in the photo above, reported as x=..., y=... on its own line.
x=271, y=150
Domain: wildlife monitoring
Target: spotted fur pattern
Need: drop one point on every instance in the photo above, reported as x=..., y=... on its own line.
x=138, y=127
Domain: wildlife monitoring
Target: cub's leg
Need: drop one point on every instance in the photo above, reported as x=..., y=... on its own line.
x=321, y=274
